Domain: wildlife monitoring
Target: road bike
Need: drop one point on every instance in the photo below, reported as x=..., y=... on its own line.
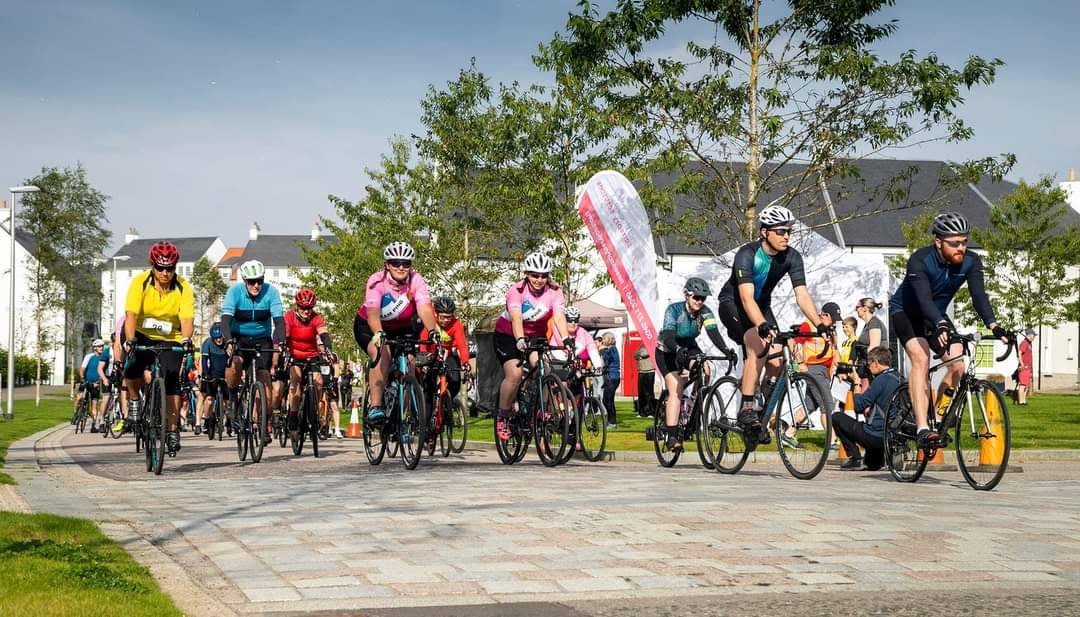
x=304, y=424
x=447, y=413
x=544, y=412
x=403, y=400
x=217, y=421
x=590, y=417
x=153, y=420
x=82, y=409
x=251, y=409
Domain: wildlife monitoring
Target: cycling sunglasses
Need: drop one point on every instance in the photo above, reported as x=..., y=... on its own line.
x=956, y=243
x=399, y=263
x=253, y=282
x=781, y=231
x=165, y=268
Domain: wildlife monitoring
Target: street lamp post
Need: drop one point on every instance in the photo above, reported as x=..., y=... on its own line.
x=15, y=190
x=116, y=292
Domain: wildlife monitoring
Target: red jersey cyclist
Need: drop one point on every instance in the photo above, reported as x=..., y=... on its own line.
x=394, y=299
x=530, y=305
x=453, y=340
x=306, y=337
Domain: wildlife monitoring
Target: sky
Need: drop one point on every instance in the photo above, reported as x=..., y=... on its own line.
x=198, y=118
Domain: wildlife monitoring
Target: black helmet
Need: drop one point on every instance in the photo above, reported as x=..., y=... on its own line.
x=950, y=224
x=444, y=304
x=696, y=287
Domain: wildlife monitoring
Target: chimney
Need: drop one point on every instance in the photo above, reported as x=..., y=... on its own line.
x=1071, y=188
x=131, y=235
x=253, y=233
x=316, y=231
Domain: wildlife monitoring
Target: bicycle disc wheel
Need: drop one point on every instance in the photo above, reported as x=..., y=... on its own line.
x=983, y=437
x=413, y=421
x=243, y=425
x=552, y=422
x=459, y=426
x=720, y=432
x=900, y=445
x=664, y=455
x=803, y=443
x=592, y=429
x=258, y=420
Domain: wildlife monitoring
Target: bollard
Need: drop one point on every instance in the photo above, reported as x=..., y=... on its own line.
x=992, y=449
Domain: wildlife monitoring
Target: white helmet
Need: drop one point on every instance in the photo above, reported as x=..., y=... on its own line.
x=398, y=250
x=538, y=262
x=573, y=315
x=772, y=216
x=252, y=269
x=97, y=343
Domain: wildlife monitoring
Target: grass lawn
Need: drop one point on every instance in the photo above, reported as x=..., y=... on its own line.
x=1049, y=421
x=54, y=565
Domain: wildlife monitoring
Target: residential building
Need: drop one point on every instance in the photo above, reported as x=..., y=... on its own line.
x=282, y=256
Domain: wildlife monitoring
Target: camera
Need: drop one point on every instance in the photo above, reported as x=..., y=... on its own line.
x=843, y=368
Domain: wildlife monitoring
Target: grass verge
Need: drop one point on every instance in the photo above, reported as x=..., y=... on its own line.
x=29, y=420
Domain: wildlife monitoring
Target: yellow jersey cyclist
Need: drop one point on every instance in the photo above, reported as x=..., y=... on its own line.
x=677, y=342
x=917, y=310
x=160, y=308
x=746, y=302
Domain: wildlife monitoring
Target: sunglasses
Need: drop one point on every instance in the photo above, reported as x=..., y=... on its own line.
x=699, y=298
x=537, y=275
x=165, y=268
x=781, y=231
x=956, y=243
x=399, y=263
x=254, y=282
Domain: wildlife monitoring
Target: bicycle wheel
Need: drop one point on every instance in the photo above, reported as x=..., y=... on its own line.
x=459, y=426
x=243, y=426
x=592, y=429
x=983, y=437
x=283, y=427
x=219, y=414
x=117, y=408
x=902, y=454
x=443, y=411
x=509, y=450
x=412, y=421
x=314, y=424
x=552, y=421
x=803, y=443
x=155, y=440
x=300, y=422
x=664, y=455
x=721, y=435
x=258, y=420
x=82, y=413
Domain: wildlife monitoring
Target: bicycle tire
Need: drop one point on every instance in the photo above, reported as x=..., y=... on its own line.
x=906, y=462
x=81, y=413
x=283, y=426
x=664, y=455
x=695, y=422
x=592, y=429
x=509, y=450
x=575, y=421
x=551, y=421
x=444, y=413
x=460, y=420
x=158, y=418
x=258, y=420
x=412, y=421
x=803, y=461
x=983, y=442
x=722, y=436
x=314, y=422
x=240, y=411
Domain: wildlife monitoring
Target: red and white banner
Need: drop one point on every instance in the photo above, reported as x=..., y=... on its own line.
x=619, y=225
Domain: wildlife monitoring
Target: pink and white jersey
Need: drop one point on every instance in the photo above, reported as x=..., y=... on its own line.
x=536, y=311
x=396, y=302
x=584, y=346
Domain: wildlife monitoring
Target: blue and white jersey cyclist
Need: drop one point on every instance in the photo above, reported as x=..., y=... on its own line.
x=677, y=342
x=252, y=315
x=917, y=309
x=745, y=306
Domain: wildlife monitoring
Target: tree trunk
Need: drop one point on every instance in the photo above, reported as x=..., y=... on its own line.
x=753, y=162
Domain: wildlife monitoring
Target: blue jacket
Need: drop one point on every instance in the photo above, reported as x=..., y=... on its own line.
x=610, y=356
x=877, y=398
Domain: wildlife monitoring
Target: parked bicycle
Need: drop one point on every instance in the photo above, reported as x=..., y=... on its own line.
x=977, y=415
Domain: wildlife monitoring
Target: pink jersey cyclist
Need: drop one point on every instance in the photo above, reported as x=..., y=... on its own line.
x=584, y=344
x=536, y=310
x=396, y=302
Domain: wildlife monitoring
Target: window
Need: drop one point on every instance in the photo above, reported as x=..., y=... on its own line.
x=984, y=353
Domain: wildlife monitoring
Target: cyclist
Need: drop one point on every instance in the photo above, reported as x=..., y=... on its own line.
x=252, y=316
x=394, y=298
x=92, y=373
x=345, y=380
x=530, y=305
x=332, y=413
x=746, y=301
x=453, y=339
x=213, y=371
x=160, y=308
x=306, y=337
x=189, y=378
x=917, y=310
x=584, y=344
x=677, y=342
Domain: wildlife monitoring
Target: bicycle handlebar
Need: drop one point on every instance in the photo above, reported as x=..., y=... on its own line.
x=782, y=338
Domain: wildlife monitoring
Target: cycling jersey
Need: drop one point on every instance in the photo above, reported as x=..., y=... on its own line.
x=454, y=338
x=251, y=317
x=584, y=346
x=536, y=310
x=303, y=338
x=931, y=283
x=213, y=359
x=90, y=365
x=815, y=350
x=157, y=315
x=397, y=303
x=753, y=265
x=681, y=329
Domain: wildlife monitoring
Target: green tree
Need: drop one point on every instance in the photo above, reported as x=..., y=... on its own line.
x=768, y=103
x=1028, y=252
x=209, y=292
x=68, y=221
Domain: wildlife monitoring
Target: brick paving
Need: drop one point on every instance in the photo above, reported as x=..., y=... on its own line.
x=298, y=534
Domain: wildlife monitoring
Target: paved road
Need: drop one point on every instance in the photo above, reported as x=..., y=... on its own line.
x=293, y=535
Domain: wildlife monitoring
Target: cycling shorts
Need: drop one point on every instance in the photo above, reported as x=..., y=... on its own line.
x=737, y=322
x=905, y=330
x=265, y=346
x=169, y=361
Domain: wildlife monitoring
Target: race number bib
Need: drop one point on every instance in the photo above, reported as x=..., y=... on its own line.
x=163, y=327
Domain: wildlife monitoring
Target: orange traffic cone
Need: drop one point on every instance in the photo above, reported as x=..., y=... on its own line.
x=354, y=431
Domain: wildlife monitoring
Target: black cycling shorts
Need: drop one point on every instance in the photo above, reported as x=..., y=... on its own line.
x=209, y=385
x=736, y=321
x=668, y=361
x=93, y=390
x=264, y=344
x=505, y=347
x=169, y=361
x=901, y=324
x=362, y=332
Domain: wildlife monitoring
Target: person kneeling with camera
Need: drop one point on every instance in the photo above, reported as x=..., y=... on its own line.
x=873, y=403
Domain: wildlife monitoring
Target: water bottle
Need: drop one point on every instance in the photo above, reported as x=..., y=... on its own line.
x=944, y=400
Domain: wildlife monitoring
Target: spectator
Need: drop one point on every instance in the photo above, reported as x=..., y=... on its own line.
x=815, y=354
x=610, y=354
x=646, y=377
x=1025, y=370
x=873, y=403
x=873, y=333
x=850, y=324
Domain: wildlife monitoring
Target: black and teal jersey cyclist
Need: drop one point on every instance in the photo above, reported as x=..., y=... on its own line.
x=677, y=343
x=917, y=310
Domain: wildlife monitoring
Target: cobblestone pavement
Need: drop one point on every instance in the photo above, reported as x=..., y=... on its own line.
x=294, y=535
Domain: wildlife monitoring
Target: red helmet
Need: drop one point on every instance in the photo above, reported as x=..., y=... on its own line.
x=164, y=254
x=305, y=298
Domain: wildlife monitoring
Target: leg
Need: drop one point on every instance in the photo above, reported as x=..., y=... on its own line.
x=610, y=386
x=918, y=352
x=675, y=384
x=847, y=429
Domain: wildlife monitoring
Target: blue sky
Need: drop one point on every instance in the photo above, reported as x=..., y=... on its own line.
x=198, y=118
